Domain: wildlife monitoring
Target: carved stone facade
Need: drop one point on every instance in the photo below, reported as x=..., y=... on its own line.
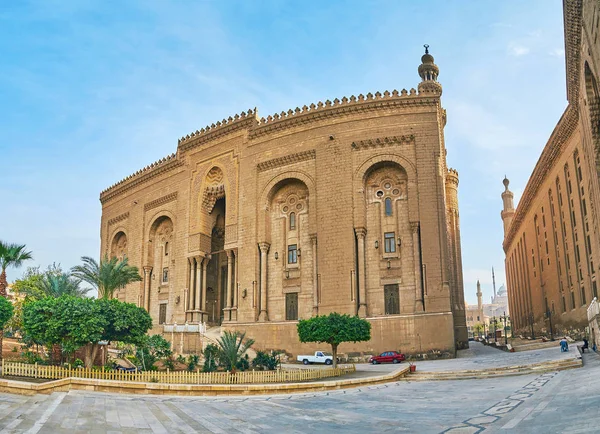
x=552, y=239
x=344, y=206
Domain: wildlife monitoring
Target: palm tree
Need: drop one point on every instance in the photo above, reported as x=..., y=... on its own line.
x=57, y=285
x=11, y=255
x=54, y=282
x=232, y=347
x=108, y=276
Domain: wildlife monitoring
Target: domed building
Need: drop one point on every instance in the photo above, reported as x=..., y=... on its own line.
x=342, y=206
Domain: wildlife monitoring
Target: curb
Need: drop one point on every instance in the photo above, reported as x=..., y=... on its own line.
x=72, y=383
x=505, y=371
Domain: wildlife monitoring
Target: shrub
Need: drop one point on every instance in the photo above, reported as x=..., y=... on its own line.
x=153, y=349
x=265, y=361
x=170, y=363
x=243, y=364
x=193, y=360
x=211, y=358
x=31, y=357
x=78, y=363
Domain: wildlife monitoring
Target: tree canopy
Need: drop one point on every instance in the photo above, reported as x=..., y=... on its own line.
x=76, y=322
x=6, y=311
x=334, y=329
x=108, y=276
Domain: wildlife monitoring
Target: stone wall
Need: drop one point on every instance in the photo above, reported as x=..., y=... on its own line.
x=211, y=226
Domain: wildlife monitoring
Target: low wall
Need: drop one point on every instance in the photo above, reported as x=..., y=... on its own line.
x=409, y=334
x=66, y=384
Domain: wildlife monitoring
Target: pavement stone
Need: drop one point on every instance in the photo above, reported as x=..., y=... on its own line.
x=565, y=401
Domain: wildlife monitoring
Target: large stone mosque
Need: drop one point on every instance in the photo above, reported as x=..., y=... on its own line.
x=343, y=206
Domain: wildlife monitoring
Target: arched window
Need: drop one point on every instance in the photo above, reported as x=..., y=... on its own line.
x=292, y=221
x=388, y=206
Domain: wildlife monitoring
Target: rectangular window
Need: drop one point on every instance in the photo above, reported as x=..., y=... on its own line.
x=390, y=242
x=292, y=254
x=392, y=299
x=564, y=304
x=584, y=207
x=595, y=289
x=583, y=301
x=162, y=313
x=572, y=300
x=291, y=306
x=165, y=276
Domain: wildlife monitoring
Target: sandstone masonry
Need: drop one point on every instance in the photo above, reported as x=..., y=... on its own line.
x=254, y=223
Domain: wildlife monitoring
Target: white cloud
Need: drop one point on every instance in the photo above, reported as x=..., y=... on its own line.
x=557, y=52
x=517, y=50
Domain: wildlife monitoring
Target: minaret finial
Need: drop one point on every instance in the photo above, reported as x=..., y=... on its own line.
x=426, y=48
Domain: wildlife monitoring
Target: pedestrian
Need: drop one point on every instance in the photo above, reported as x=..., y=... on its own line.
x=564, y=345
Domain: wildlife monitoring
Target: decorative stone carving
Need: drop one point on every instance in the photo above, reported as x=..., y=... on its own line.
x=160, y=201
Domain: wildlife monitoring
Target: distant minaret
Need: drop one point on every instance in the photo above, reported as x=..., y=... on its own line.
x=479, y=302
x=494, y=283
x=508, y=212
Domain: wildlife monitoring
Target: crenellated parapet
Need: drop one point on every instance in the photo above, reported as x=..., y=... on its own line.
x=211, y=132
x=161, y=166
x=452, y=178
x=341, y=107
x=452, y=190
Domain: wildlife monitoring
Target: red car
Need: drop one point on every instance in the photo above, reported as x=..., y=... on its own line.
x=388, y=357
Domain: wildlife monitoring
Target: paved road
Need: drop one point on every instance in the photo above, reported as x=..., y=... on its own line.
x=566, y=401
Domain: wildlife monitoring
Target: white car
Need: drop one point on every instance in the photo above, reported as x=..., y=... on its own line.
x=319, y=357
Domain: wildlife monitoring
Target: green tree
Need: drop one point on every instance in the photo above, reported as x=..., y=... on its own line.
x=83, y=322
x=232, y=347
x=334, y=329
x=478, y=328
x=211, y=358
x=6, y=312
x=151, y=350
x=57, y=285
x=108, y=276
x=11, y=255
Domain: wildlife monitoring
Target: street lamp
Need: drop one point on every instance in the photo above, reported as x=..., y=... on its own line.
x=531, y=323
x=495, y=322
x=504, y=318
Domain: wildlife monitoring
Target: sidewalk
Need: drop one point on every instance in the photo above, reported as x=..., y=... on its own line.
x=480, y=357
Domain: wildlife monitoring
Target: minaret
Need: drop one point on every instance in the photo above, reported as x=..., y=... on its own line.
x=508, y=212
x=494, y=283
x=429, y=72
x=479, y=294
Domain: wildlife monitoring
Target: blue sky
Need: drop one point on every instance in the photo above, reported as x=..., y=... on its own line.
x=91, y=91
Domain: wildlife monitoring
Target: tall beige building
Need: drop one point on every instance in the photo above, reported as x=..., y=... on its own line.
x=344, y=206
x=552, y=239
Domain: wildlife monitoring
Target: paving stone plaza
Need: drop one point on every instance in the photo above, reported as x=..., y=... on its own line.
x=547, y=402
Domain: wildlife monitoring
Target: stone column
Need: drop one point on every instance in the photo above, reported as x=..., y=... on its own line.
x=263, y=315
x=235, y=287
x=229, y=274
x=362, y=278
x=190, y=302
x=313, y=240
x=147, y=276
x=203, y=296
x=199, y=276
x=414, y=227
